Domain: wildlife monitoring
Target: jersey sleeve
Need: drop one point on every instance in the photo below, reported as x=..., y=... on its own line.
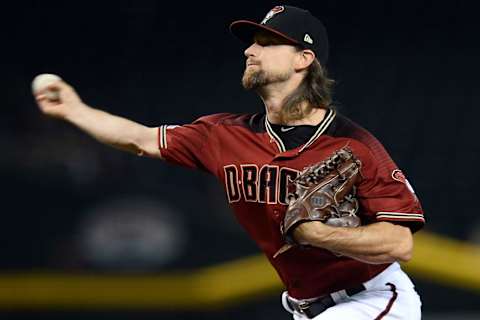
x=190, y=145
x=384, y=193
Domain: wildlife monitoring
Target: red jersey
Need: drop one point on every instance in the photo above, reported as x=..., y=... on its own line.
x=253, y=165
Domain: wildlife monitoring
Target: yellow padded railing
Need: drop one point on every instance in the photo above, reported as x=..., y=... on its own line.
x=446, y=261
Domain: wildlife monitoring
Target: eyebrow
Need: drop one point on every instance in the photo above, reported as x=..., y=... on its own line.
x=270, y=38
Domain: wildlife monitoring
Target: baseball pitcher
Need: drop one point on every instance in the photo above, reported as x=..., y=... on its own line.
x=318, y=193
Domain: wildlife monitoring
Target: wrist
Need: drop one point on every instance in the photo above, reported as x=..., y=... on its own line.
x=75, y=112
x=309, y=232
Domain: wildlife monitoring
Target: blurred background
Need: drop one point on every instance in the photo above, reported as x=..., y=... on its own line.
x=88, y=232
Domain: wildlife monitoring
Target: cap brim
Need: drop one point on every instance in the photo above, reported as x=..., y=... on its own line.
x=245, y=30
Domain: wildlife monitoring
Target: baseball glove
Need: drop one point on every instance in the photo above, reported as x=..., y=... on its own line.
x=323, y=192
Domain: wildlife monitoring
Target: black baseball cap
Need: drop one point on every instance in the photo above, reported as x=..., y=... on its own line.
x=295, y=25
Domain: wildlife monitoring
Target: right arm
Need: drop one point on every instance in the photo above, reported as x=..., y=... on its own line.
x=108, y=129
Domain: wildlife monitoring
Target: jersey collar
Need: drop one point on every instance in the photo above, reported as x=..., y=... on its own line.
x=322, y=127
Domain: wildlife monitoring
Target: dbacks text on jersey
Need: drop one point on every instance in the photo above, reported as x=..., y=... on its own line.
x=268, y=184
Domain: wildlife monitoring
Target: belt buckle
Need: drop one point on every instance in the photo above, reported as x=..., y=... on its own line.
x=304, y=305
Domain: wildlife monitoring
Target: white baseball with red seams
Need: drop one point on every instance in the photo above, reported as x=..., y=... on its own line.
x=42, y=81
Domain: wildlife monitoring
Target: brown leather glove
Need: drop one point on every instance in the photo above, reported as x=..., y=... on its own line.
x=324, y=192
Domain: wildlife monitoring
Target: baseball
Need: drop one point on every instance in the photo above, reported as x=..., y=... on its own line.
x=44, y=80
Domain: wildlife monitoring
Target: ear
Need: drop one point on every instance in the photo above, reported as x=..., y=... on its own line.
x=303, y=59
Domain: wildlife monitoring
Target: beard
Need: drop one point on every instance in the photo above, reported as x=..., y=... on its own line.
x=256, y=79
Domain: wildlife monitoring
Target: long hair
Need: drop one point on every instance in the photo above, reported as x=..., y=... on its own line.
x=315, y=90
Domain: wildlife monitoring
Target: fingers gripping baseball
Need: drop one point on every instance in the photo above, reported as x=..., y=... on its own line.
x=54, y=97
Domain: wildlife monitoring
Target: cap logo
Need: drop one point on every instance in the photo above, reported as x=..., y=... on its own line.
x=307, y=38
x=271, y=13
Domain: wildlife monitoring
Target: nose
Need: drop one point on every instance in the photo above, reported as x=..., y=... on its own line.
x=252, y=50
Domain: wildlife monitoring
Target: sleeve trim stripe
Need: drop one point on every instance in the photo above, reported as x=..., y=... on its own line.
x=158, y=138
x=400, y=216
x=409, y=214
x=162, y=136
x=165, y=136
x=401, y=219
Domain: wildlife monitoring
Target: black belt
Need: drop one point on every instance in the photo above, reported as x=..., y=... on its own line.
x=312, y=308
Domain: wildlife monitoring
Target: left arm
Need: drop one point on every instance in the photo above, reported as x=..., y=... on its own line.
x=380, y=242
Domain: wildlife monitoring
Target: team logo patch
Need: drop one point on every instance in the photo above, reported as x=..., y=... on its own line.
x=271, y=13
x=399, y=176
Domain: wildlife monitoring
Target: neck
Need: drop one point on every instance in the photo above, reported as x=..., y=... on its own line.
x=312, y=118
x=273, y=96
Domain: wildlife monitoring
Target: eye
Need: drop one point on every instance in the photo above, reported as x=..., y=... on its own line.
x=264, y=42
